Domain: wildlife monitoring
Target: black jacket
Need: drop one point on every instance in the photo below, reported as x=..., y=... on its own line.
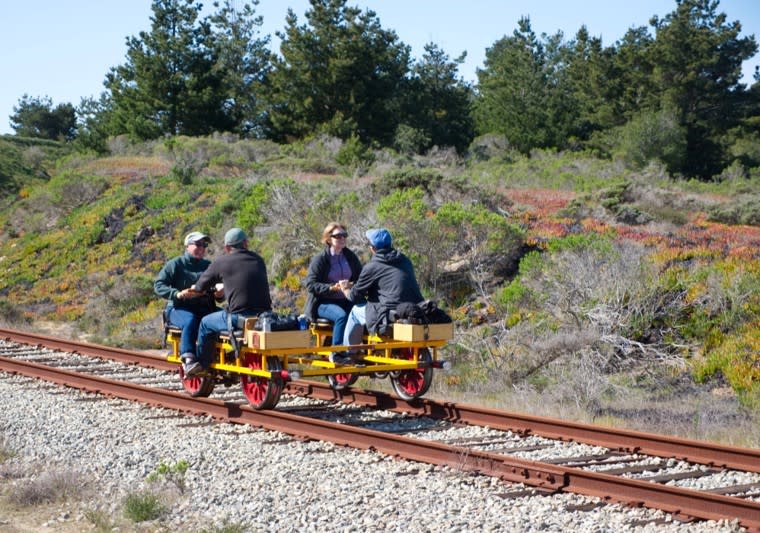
x=244, y=275
x=316, y=282
x=386, y=281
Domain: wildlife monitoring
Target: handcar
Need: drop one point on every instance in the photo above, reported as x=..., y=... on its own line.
x=263, y=361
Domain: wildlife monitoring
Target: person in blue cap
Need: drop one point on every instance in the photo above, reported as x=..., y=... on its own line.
x=386, y=281
x=246, y=288
x=185, y=307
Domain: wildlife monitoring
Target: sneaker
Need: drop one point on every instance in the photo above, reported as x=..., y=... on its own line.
x=340, y=359
x=192, y=368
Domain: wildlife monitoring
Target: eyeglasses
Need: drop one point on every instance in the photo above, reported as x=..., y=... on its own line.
x=339, y=235
x=202, y=244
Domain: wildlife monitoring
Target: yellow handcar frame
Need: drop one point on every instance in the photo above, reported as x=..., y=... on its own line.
x=409, y=364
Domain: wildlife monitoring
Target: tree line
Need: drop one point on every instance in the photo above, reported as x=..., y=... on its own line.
x=669, y=91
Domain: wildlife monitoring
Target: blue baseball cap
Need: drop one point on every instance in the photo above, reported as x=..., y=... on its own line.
x=379, y=238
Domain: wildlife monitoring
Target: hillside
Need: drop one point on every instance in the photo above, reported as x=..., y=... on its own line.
x=580, y=288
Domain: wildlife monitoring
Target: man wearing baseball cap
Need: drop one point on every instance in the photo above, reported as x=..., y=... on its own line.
x=246, y=288
x=184, y=306
x=386, y=281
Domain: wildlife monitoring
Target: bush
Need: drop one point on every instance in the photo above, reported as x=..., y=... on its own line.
x=409, y=140
x=143, y=506
x=744, y=210
x=653, y=136
x=49, y=487
x=354, y=156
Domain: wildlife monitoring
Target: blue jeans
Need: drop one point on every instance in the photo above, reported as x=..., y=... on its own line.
x=338, y=315
x=188, y=322
x=355, y=325
x=208, y=332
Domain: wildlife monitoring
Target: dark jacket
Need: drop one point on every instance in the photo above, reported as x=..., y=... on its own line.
x=386, y=281
x=179, y=274
x=316, y=282
x=244, y=275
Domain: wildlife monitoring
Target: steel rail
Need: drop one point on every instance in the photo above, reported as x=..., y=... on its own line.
x=627, y=441
x=700, y=452
x=83, y=348
x=681, y=502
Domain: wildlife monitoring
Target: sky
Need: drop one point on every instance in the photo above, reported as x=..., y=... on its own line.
x=63, y=49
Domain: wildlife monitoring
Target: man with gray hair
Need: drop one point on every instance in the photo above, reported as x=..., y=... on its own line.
x=246, y=289
x=185, y=307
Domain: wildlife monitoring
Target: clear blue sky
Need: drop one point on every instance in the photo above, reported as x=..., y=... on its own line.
x=64, y=48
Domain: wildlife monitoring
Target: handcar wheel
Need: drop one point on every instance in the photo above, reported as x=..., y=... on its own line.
x=196, y=386
x=341, y=381
x=262, y=393
x=411, y=384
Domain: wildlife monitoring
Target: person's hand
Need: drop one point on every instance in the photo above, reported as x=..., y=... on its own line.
x=219, y=291
x=187, y=293
x=344, y=284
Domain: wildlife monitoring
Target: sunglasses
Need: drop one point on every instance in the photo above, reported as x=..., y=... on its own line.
x=202, y=244
x=339, y=235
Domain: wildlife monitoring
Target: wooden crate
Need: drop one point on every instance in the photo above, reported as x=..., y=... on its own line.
x=268, y=340
x=417, y=332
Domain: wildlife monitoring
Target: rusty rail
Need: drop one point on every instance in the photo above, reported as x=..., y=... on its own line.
x=682, y=502
x=701, y=452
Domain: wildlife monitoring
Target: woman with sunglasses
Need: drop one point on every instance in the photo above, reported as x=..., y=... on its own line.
x=184, y=306
x=330, y=271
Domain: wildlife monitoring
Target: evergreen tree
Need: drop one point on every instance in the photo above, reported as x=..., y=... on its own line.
x=589, y=97
x=244, y=60
x=513, y=91
x=169, y=85
x=340, y=74
x=438, y=102
x=36, y=117
x=697, y=57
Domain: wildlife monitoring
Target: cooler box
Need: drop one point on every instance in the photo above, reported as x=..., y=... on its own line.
x=418, y=332
x=268, y=340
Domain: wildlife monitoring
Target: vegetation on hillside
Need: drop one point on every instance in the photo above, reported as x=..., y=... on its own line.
x=563, y=273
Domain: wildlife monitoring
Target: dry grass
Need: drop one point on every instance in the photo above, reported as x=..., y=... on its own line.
x=50, y=487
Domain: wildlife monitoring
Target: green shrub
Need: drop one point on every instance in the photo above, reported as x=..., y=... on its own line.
x=143, y=506
x=173, y=473
x=745, y=210
x=409, y=140
x=354, y=155
x=653, y=136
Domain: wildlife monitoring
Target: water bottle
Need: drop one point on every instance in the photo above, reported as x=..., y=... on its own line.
x=266, y=325
x=302, y=323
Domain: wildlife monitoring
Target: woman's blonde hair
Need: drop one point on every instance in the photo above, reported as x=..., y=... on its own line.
x=327, y=233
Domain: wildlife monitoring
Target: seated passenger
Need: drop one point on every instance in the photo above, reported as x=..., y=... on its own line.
x=185, y=307
x=386, y=281
x=333, y=268
x=246, y=289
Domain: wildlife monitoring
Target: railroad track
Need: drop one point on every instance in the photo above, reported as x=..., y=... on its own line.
x=542, y=454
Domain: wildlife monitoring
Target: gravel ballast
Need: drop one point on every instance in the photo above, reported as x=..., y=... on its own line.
x=265, y=480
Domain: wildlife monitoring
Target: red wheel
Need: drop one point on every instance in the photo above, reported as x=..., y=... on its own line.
x=262, y=393
x=196, y=386
x=410, y=384
x=341, y=381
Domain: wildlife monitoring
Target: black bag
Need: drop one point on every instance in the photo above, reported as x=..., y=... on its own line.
x=277, y=322
x=433, y=313
x=408, y=313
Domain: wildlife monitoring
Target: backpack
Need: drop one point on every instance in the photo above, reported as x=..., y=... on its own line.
x=278, y=322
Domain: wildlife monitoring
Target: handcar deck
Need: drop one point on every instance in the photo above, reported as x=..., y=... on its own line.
x=264, y=361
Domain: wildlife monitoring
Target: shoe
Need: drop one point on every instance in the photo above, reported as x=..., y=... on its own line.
x=192, y=368
x=340, y=359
